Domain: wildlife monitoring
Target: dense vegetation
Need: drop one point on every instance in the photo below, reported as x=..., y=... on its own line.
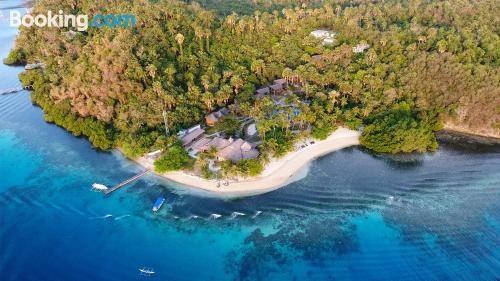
x=430, y=63
x=175, y=158
x=16, y=56
x=400, y=130
x=249, y=7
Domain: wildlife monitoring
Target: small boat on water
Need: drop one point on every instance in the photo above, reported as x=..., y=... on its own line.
x=99, y=187
x=147, y=271
x=159, y=202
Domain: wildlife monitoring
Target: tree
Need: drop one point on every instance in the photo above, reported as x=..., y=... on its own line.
x=250, y=167
x=231, y=21
x=228, y=124
x=16, y=56
x=442, y=45
x=399, y=131
x=199, y=33
x=207, y=98
x=258, y=68
x=287, y=74
x=321, y=133
x=174, y=158
x=180, y=40
x=237, y=83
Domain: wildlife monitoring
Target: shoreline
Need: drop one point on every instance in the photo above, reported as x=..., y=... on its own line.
x=277, y=173
x=485, y=139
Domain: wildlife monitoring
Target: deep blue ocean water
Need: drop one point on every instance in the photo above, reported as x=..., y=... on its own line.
x=356, y=216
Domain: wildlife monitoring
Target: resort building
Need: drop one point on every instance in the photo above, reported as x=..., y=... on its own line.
x=204, y=144
x=260, y=93
x=236, y=151
x=360, y=48
x=214, y=117
x=227, y=149
x=327, y=36
x=277, y=88
x=190, y=135
x=282, y=82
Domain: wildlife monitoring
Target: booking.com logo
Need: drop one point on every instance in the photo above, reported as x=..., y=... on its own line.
x=80, y=22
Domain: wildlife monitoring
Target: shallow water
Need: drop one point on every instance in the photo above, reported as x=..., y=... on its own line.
x=356, y=216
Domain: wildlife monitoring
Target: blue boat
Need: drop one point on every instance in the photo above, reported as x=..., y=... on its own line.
x=158, y=203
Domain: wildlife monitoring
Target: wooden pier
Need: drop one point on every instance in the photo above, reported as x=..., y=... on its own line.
x=124, y=183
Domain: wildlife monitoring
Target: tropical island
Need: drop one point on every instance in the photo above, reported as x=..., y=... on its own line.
x=206, y=92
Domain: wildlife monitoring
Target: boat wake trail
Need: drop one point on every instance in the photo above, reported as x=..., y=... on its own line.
x=103, y=217
x=121, y=217
x=256, y=214
x=236, y=214
x=214, y=216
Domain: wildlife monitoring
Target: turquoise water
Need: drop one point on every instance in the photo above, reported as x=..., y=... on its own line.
x=356, y=216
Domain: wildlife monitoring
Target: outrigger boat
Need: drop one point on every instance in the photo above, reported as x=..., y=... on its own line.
x=99, y=187
x=147, y=271
x=159, y=202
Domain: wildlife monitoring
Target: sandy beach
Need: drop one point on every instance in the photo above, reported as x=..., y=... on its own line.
x=277, y=173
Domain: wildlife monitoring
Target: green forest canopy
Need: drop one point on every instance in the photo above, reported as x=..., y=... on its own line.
x=437, y=59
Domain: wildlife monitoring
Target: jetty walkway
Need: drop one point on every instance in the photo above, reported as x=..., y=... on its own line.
x=124, y=183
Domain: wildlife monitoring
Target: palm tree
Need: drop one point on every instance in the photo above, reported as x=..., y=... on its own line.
x=442, y=45
x=205, y=81
x=180, y=40
x=263, y=126
x=258, y=67
x=151, y=69
x=169, y=101
x=241, y=26
x=207, y=17
x=165, y=122
x=208, y=33
x=372, y=56
x=282, y=121
x=231, y=21
x=287, y=74
x=272, y=145
x=422, y=39
x=170, y=72
x=198, y=32
x=224, y=93
x=207, y=98
x=237, y=83
x=257, y=16
x=332, y=96
x=343, y=101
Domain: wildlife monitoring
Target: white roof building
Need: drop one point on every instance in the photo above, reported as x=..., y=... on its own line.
x=192, y=134
x=360, y=48
x=327, y=36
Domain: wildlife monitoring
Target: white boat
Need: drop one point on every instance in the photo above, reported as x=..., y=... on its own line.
x=147, y=271
x=99, y=187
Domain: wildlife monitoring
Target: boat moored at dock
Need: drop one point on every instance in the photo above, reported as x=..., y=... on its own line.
x=99, y=187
